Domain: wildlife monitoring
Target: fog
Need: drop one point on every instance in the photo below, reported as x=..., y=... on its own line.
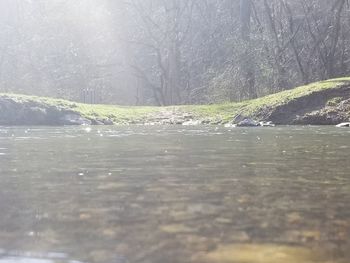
x=61, y=48
x=157, y=52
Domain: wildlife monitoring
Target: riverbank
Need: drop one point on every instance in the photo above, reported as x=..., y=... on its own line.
x=321, y=103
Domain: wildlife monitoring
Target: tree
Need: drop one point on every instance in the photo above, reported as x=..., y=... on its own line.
x=247, y=62
x=156, y=52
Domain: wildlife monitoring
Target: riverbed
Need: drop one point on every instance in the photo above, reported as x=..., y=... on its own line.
x=171, y=194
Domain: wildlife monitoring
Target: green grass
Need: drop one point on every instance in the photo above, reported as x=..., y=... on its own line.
x=225, y=112
x=251, y=107
x=119, y=114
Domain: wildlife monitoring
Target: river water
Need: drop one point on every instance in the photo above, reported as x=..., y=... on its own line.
x=174, y=195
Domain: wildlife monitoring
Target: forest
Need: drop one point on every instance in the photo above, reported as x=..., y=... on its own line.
x=173, y=52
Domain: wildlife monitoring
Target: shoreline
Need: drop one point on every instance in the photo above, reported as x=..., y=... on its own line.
x=321, y=103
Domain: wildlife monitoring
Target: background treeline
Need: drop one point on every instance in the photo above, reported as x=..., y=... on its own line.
x=162, y=52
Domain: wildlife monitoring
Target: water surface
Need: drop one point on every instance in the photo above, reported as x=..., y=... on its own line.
x=174, y=195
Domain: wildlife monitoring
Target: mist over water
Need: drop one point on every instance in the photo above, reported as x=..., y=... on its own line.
x=173, y=194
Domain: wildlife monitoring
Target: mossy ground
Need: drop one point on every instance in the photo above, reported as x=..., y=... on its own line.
x=224, y=112
x=252, y=107
x=119, y=114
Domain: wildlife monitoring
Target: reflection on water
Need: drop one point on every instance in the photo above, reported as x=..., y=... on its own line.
x=174, y=195
x=30, y=257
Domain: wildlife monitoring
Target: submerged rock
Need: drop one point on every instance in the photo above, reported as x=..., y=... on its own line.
x=248, y=123
x=192, y=123
x=102, y=122
x=96, y=122
x=107, y=122
x=239, y=117
x=74, y=119
x=266, y=124
x=266, y=253
x=344, y=124
x=230, y=125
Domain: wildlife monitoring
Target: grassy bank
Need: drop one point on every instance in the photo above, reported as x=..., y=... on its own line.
x=261, y=108
x=117, y=114
x=252, y=108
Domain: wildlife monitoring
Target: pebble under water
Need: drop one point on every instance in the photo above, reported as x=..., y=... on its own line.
x=174, y=195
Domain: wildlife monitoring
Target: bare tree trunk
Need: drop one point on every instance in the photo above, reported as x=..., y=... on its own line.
x=335, y=35
x=276, y=50
x=296, y=53
x=247, y=66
